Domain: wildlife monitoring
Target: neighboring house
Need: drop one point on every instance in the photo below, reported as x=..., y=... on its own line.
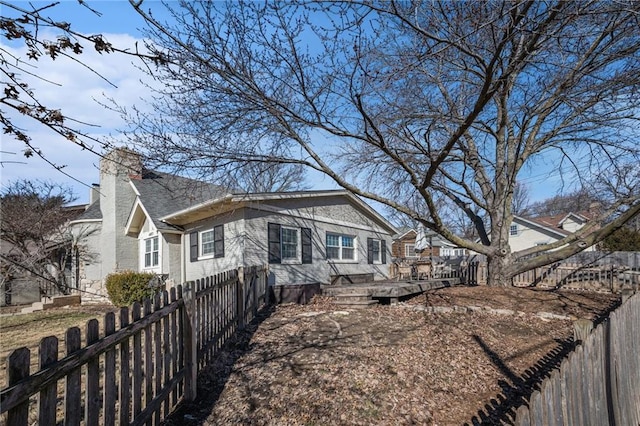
x=403, y=247
x=529, y=232
x=42, y=268
x=185, y=229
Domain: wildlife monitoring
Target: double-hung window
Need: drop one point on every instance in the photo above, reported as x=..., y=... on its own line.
x=341, y=247
x=289, y=244
x=513, y=229
x=151, y=252
x=376, y=251
x=207, y=244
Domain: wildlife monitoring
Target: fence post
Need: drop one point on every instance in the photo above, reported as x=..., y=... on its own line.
x=190, y=341
x=240, y=297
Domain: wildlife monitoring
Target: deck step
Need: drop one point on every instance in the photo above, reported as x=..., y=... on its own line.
x=354, y=300
x=356, y=304
x=352, y=297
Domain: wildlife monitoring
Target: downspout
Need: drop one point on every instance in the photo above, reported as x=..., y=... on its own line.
x=183, y=260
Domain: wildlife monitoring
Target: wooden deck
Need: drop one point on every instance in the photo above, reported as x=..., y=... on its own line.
x=390, y=291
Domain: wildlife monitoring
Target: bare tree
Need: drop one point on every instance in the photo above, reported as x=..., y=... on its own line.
x=520, y=203
x=576, y=201
x=34, y=231
x=437, y=101
x=265, y=177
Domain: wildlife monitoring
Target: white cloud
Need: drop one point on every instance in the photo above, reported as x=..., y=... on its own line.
x=76, y=92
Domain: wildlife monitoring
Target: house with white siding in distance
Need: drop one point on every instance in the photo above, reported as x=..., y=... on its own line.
x=529, y=232
x=183, y=229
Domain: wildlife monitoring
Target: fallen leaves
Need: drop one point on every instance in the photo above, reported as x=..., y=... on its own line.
x=388, y=365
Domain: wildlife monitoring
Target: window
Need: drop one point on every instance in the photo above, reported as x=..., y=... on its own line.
x=287, y=244
x=151, y=252
x=513, y=230
x=207, y=243
x=289, y=240
x=376, y=251
x=410, y=250
x=341, y=247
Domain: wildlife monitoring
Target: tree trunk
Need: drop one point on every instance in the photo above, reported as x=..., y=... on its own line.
x=499, y=271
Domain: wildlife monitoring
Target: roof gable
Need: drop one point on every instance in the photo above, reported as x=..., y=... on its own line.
x=160, y=194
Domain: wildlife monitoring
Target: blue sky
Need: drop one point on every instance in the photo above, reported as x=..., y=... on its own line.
x=79, y=92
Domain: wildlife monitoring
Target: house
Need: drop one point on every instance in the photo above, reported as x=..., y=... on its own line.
x=403, y=247
x=425, y=263
x=529, y=232
x=185, y=229
x=35, y=267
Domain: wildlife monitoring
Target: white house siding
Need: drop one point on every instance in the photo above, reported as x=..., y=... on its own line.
x=529, y=237
x=571, y=226
x=233, y=246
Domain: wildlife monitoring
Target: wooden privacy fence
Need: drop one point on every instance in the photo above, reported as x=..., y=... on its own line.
x=139, y=370
x=579, y=276
x=599, y=383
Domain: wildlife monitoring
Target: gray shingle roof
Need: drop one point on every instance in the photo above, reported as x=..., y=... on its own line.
x=163, y=193
x=91, y=213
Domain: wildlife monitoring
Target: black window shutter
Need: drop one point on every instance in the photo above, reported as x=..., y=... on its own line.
x=274, y=243
x=383, y=249
x=193, y=246
x=370, y=250
x=218, y=241
x=306, y=245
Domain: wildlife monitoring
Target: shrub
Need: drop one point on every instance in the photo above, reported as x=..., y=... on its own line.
x=127, y=287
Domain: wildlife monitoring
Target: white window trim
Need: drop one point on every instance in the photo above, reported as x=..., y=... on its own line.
x=211, y=255
x=142, y=247
x=410, y=253
x=340, y=247
x=298, y=258
x=511, y=230
x=201, y=243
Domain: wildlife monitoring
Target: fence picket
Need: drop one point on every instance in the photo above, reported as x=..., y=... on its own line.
x=166, y=349
x=110, y=387
x=137, y=362
x=93, y=400
x=174, y=346
x=18, y=364
x=125, y=378
x=158, y=356
x=47, y=400
x=73, y=388
x=148, y=361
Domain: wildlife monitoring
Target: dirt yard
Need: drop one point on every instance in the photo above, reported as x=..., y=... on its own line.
x=390, y=365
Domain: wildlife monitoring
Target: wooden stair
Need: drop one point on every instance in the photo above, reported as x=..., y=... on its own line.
x=53, y=302
x=354, y=300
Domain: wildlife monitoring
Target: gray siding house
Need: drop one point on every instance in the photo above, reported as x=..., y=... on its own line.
x=184, y=229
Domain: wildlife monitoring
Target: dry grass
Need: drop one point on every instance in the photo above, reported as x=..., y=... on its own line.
x=26, y=330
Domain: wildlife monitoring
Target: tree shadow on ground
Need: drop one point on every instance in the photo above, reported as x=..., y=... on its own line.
x=517, y=390
x=211, y=379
